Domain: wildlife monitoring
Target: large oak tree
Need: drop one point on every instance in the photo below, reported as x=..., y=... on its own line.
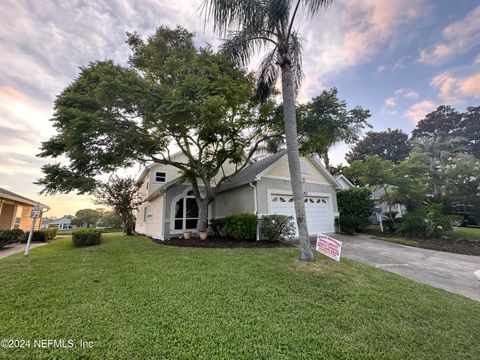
x=173, y=95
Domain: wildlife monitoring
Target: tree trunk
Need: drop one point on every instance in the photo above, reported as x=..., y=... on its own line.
x=202, y=222
x=290, y=121
x=127, y=224
x=326, y=160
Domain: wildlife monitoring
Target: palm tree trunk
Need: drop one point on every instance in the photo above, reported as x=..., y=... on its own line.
x=290, y=121
x=326, y=160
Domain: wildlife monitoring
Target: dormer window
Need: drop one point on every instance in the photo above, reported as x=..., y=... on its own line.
x=160, y=177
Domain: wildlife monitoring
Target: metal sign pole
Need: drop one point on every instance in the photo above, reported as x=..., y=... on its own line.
x=36, y=212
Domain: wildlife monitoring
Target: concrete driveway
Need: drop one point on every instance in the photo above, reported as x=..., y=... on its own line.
x=451, y=272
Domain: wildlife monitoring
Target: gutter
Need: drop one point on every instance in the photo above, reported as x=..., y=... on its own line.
x=255, y=208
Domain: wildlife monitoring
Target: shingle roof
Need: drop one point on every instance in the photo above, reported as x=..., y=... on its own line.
x=13, y=196
x=251, y=172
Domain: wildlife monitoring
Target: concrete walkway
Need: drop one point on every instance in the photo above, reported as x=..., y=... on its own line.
x=16, y=248
x=451, y=272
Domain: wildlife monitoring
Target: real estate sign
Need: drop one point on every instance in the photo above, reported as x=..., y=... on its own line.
x=329, y=246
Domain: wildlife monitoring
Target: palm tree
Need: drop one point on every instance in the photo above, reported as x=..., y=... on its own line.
x=254, y=25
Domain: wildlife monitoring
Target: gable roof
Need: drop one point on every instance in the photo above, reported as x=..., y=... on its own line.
x=343, y=178
x=253, y=171
x=64, y=219
x=10, y=195
x=256, y=170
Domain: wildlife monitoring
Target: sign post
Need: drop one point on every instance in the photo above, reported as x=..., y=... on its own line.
x=329, y=246
x=34, y=215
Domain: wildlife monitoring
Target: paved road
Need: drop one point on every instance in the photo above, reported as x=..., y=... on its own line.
x=451, y=272
x=12, y=249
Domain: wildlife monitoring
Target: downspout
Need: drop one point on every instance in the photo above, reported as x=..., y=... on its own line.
x=255, y=208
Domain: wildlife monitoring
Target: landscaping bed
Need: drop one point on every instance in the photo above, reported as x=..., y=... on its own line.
x=457, y=246
x=221, y=243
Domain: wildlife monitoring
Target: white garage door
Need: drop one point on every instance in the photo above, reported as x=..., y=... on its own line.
x=318, y=208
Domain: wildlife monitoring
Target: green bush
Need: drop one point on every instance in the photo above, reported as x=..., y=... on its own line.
x=86, y=237
x=51, y=233
x=216, y=225
x=237, y=226
x=390, y=222
x=277, y=227
x=428, y=222
x=355, y=206
x=10, y=236
x=37, y=236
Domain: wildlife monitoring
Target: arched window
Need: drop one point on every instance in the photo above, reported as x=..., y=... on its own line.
x=186, y=213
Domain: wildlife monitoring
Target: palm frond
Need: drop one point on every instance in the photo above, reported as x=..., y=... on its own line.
x=241, y=45
x=295, y=47
x=228, y=14
x=313, y=6
x=267, y=75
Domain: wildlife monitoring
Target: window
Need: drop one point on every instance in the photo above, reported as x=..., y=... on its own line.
x=18, y=217
x=186, y=213
x=160, y=177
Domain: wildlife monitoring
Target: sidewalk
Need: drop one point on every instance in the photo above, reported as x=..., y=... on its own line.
x=16, y=248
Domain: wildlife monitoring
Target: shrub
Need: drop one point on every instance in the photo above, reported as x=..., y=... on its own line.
x=86, y=237
x=51, y=233
x=277, y=227
x=390, y=222
x=355, y=206
x=37, y=236
x=238, y=226
x=413, y=224
x=10, y=236
x=428, y=222
x=216, y=225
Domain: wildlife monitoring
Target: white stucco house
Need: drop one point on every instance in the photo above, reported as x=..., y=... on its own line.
x=263, y=187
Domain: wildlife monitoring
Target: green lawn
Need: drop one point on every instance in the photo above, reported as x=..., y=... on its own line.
x=466, y=233
x=138, y=300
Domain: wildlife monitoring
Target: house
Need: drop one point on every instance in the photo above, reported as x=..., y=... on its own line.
x=382, y=207
x=263, y=187
x=64, y=223
x=343, y=182
x=15, y=211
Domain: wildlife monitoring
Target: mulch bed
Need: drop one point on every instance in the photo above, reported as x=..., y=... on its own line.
x=220, y=242
x=459, y=246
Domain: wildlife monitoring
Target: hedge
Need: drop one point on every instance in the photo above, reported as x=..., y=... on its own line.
x=277, y=227
x=355, y=206
x=237, y=226
x=86, y=237
x=10, y=236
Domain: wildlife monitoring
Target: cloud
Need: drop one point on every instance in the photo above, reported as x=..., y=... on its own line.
x=458, y=37
x=391, y=101
x=351, y=33
x=454, y=90
x=417, y=111
x=477, y=59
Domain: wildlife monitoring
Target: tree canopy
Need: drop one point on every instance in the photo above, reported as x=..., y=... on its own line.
x=173, y=95
x=392, y=145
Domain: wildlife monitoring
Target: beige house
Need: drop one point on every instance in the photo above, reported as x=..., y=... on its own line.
x=15, y=211
x=262, y=188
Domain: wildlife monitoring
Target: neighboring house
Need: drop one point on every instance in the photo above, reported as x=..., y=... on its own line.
x=382, y=207
x=15, y=211
x=343, y=182
x=262, y=188
x=64, y=223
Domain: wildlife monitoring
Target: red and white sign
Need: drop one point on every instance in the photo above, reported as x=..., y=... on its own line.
x=329, y=246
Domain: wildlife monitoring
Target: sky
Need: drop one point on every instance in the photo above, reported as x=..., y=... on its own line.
x=398, y=58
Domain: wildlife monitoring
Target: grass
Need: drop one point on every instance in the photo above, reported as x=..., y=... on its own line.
x=69, y=231
x=465, y=233
x=138, y=300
